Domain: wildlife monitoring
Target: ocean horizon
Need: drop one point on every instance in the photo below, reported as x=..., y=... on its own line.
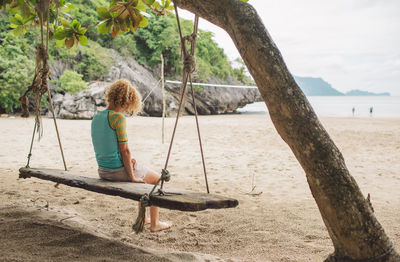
x=342, y=106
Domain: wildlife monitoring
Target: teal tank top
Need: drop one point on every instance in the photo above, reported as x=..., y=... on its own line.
x=105, y=142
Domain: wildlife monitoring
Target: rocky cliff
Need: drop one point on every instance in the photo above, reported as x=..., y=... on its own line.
x=209, y=100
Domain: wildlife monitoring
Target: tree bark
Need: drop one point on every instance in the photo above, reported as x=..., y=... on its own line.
x=355, y=232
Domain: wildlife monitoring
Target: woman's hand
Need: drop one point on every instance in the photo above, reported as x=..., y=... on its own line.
x=134, y=180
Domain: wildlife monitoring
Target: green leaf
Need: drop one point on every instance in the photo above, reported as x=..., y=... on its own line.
x=13, y=10
x=113, y=2
x=245, y=1
x=114, y=14
x=104, y=27
x=103, y=12
x=157, y=5
x=68, y=7
x=60, y=43
x=141, y=6
x=82, y=31
x=29, y=19
x=116, y=8
x=25, y=10
x=18, y=31
x=83, y=40
x=167, y=3
x=75, y=24
x=13, y=26
x=150, y=2
x=144, y=22
x=65, y=23
x=19, y=18
x=15, y=21
x=60, y=34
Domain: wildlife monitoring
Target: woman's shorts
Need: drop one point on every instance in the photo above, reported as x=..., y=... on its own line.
x=139, y=172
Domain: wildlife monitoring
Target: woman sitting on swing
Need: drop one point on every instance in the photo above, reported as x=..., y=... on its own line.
x=110, y=143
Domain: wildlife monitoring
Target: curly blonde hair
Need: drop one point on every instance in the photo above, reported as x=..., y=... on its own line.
x=124, y=95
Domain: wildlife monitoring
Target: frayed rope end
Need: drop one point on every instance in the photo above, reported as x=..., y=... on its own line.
x=139, y=224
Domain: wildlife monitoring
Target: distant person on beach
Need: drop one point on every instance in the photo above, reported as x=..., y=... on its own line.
x=371, y=110
x=110, y=142
x=353, y=110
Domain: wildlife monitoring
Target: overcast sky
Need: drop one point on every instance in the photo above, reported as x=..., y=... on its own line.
x=351, y=44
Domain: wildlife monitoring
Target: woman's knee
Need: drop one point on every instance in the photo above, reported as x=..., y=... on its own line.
x=151, y=178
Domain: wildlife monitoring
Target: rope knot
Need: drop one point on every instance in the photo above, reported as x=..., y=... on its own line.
x=139, y=224
x=189, y=64
x=189, y=60
x=190, y=38
x=145, y=201
x=165, y=175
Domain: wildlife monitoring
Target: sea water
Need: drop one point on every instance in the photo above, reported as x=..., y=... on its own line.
x=342, y=106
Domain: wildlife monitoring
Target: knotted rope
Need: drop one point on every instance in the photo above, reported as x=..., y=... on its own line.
x=139, y=223
x=189, y=60
x=39, y=84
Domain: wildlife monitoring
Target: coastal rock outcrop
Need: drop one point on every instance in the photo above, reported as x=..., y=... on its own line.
x=213, y=100
x=209, y=100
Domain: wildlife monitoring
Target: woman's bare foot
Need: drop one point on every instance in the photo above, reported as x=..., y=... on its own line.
x=160, y=226
x=147, y=221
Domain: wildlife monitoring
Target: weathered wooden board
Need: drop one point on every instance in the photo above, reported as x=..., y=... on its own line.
x=177, y=199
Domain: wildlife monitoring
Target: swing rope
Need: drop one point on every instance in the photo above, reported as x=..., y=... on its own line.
x=189, y=66
x=39, y=84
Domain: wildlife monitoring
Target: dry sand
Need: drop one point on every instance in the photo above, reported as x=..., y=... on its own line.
x=39, y=222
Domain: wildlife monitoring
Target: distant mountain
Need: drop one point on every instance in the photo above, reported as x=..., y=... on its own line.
x=312, y=86
x=316, y=87
x=357, y=92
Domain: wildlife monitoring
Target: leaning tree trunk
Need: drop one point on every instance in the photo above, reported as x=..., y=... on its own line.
x=355, y=232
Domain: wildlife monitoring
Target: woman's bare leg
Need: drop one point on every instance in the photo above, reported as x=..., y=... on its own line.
x=155, y=224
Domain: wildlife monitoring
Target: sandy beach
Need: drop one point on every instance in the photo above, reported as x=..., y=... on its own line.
x=277, y=221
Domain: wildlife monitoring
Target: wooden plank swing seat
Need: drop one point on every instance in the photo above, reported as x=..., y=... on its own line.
x=176, y=199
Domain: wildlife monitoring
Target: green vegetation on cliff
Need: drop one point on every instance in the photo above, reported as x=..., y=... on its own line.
x=71, y=82
x=93, y=61
x=16, y=66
